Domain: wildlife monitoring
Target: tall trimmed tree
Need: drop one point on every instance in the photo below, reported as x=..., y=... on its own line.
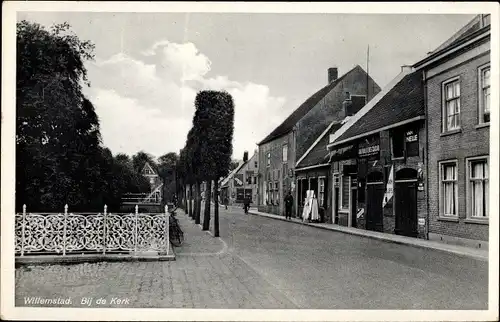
x=214, y=127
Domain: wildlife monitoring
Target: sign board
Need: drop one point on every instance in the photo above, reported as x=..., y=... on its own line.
x=411, y=136
x=346, y=152
x=369, y=148
x=389, y=192
x=238, y=180
x=421, y=221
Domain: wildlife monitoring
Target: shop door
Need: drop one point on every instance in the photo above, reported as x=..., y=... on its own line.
x=354, y=204
x=405, y=200
x=336, y=208
x=374, y=210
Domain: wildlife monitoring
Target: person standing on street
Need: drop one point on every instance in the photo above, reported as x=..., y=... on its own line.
x=246, y=204
x=288, y=205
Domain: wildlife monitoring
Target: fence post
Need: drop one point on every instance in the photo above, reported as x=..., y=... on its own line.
x=104, y=222
x=23, y=223
x=64, y=229
x=135, y=228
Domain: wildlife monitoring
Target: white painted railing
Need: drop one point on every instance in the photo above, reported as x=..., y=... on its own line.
x=78, y=233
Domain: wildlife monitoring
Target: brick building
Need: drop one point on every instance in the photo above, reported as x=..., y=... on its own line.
x=280, y=150
x=457, y=76
x=313, y=168
x=241, y=182
x=379, y=149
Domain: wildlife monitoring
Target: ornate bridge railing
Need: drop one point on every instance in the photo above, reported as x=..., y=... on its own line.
x=90, y=233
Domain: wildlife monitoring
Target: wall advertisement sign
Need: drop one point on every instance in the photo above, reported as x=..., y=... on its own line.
x=369, y=148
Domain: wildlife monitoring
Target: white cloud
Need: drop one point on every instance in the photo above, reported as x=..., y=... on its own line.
x=149, y=106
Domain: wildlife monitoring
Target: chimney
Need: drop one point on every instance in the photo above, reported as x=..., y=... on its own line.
x=245, y=156
x=333, y=74
x=406, y=68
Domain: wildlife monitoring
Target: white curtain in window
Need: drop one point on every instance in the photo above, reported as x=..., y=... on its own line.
x=479, y=189
x=449, y=191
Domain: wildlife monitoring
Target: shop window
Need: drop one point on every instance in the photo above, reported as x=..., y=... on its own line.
x=398, y=145
x=484, y=94
x=321, y=192
x=448, y=189
x=478, y=188
x=405, y=143
x=451, y=105
x=344, y=194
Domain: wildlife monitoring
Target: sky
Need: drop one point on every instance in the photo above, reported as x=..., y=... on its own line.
x=148, y=67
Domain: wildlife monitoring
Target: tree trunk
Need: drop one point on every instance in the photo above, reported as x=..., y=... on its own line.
x=198, y=204
x=184, y=198
x=190, y=205
x=196, y=197
x=191, y=202
x=216, y=210
x=206, y=218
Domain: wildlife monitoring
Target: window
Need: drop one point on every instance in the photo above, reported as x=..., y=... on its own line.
x=398, y=145
x=478, y=189
x=344, y=194
x=484, y=94
x=285, y=153
x=405, y=142
x=254, y=180
x=271, y=195
x=321, y=193
x=266, y=189
x=276, y=193
x=451, y=108
x=449, y=187
x=268, y=159
x=256, y=164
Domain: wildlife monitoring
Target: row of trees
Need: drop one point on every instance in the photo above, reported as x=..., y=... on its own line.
x=60, y=158
x=206, y=156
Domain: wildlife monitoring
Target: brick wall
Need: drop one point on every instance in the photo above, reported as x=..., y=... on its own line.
x=469, y=142
x=285, y=181
x=383, y=165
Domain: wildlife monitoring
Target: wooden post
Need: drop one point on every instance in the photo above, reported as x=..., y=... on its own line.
x=23, y=224
x=64, y=229
x=135, y=228
x=167, y=228
x=104, y=222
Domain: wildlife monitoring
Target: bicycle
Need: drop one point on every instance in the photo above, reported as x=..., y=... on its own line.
x=175, y=231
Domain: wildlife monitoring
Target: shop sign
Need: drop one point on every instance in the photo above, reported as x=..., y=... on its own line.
x=369, y=148
x=346, y=152
x=411, y=136
x=238, y=180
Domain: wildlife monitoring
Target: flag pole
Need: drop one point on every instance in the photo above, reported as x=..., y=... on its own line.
x=367, y=73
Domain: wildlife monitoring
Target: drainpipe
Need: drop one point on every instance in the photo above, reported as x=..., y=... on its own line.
x=426, y=154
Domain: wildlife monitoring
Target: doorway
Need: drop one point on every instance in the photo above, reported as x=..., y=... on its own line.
x=374, y=197
x=405, y=201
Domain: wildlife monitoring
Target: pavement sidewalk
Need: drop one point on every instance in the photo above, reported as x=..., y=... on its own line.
x=480, y=254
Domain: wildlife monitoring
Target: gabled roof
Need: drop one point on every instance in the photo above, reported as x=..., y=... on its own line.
x=303, y=109
x=348, y=122
x=232, y=173
x=470, y=27
x=404, y=102
x=477, y=27
x=147, y=167
x=317, y=153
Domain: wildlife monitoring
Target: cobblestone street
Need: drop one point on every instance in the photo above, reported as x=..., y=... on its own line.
x=265, y=263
